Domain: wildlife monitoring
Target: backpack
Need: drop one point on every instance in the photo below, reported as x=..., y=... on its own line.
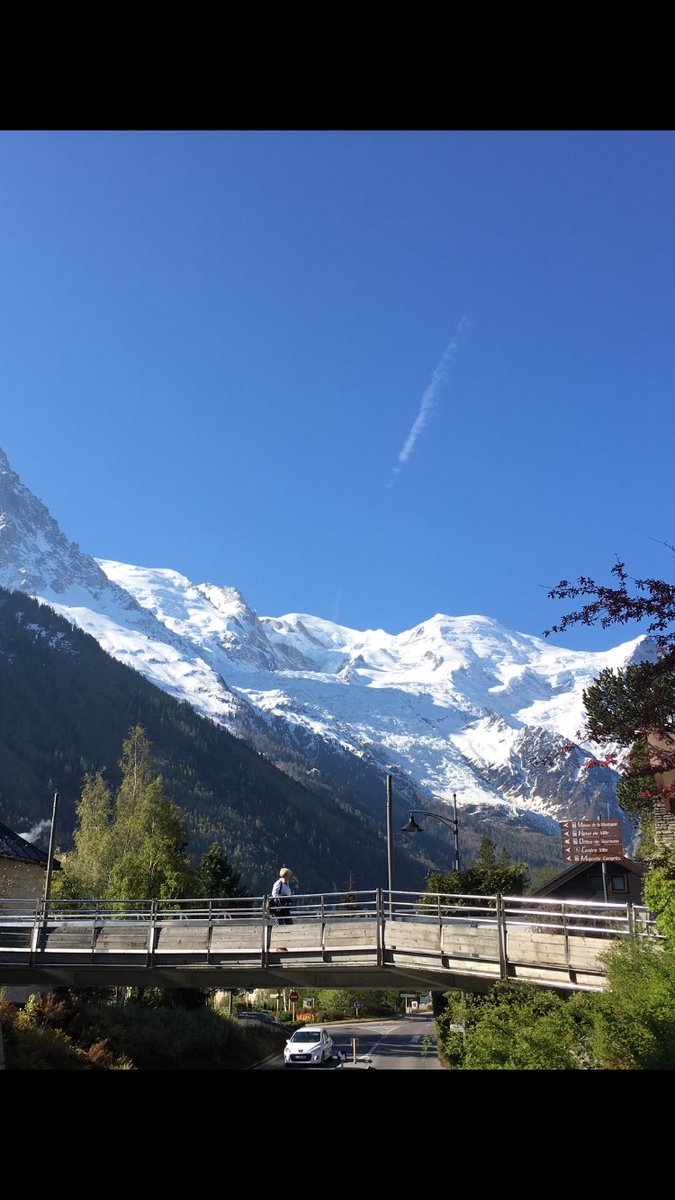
x=277, y=903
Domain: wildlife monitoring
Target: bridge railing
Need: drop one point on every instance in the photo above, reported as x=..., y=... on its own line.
x=475, y=939
x=39, y=912
x=514, y=912
x=444, y=908
x=577, y=916
x=336, y=906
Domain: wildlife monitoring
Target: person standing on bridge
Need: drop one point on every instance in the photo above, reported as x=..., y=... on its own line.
x=281, y=897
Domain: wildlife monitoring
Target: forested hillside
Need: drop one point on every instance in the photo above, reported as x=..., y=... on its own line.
x=65, y=709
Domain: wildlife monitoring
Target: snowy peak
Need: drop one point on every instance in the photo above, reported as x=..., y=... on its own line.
x=228, y=601
x=214, y=621
x=454, y=705
x=35, y=556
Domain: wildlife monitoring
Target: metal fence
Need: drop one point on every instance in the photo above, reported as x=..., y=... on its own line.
x=580, y=916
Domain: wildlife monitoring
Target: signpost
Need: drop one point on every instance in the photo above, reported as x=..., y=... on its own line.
x=591, y=841
x=294, y=997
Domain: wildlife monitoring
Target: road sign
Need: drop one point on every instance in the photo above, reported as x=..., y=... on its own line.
x=294, y=996
x=357, y=1004
x=414, y=1003
x=591, y=841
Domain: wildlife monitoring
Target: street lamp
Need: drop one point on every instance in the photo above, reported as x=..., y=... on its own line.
x=413, y=827
x=48, y=873
x=50, y=852
x=390, y=847
x=390, y=838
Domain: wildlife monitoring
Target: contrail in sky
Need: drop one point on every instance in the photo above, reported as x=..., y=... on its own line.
x=429, y=398
x=337, y=605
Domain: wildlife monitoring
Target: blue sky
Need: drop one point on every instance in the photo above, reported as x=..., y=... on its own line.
x=368, y=375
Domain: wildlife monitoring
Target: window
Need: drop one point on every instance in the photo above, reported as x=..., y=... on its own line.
x=618, y=881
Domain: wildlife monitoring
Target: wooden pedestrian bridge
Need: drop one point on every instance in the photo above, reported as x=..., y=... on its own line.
x=373, y=939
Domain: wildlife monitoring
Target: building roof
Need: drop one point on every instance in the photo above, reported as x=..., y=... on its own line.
x=580, y=868
x=12, y=845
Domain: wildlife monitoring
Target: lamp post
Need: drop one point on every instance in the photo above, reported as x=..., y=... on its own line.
x=390, y=837
x=48, y=873
x=413, y=827
x=390, y=847
x=50, y=852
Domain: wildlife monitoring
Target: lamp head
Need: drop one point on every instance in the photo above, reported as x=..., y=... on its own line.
x=412, y=826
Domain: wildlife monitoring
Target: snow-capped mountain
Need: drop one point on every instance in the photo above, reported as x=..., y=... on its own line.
x=36, y=557
x=456, y=705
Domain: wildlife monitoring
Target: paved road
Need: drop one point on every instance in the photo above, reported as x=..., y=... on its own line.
x=401, y=1044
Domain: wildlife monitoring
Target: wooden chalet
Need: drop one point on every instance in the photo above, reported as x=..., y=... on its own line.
x=584, y=881
x=23, y=867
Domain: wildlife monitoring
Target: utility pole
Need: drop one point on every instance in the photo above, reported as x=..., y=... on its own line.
x=455, y=827
x=48, y=876
x=390, y=835
x=50, y=852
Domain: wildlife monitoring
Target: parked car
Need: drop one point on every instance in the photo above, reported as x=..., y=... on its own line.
x=310, y=1044
x=265, y=1017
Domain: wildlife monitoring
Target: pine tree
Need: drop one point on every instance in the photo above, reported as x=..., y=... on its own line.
x=215, y=876
x=489, y=875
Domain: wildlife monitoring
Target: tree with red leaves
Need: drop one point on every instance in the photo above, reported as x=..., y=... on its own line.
x=635, y=706
x=640, y=699
x=655, y=599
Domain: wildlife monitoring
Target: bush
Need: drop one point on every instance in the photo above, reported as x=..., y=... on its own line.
x=57, y=1033
x=517, y=1026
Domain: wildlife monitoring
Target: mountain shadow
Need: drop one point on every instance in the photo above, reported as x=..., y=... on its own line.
x=65, y=709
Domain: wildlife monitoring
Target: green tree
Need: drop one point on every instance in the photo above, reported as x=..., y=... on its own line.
x=350, y=900
x=94, y=834
x=634, y=707
x=132, y=848
x=340, y=1002
x=152, y=840
x=622, y=705
x=659, y=892
x=86, y=871
x=538, y=876
x=137, y=775
x=215, y=876
x=519, y=1027
x=489, y=875
x=629, y=706
x=634, y=1017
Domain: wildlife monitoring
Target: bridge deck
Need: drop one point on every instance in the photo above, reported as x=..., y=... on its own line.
x=376, y=939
